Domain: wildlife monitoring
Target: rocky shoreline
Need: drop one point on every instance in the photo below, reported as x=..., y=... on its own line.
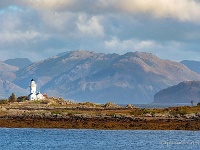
x=101, y=123
x=56, y=113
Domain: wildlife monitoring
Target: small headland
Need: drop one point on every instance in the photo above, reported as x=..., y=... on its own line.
x=60, y=113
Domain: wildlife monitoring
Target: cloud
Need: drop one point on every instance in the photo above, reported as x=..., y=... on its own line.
x=41, y=4
x=46, y=27
x=14, y=37
x=59, y=23
x=172, y=50
x=115, y=45
x=54, y=5
x=183, y=10
x=90, y=27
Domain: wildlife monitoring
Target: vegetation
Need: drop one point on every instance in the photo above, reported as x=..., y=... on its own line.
x=58, y=113
x=4, y=101
x=12, y=98
x=22, y=98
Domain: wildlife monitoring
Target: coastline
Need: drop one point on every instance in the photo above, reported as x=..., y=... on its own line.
x=56, y=113
x=102, y=123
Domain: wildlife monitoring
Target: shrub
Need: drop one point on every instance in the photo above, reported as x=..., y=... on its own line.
x=3, y=101
x=179, y=110
x=22, y=98
x=12, y=98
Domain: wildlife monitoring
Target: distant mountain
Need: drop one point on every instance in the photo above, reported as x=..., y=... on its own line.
x=7, y=72
x=7, y=68
x=98, y=77
x=7, y=87
x=7, y=75
x=184, y=92
x=18, y=62
x=192, y=65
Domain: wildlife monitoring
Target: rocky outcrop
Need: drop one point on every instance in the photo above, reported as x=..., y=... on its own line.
x=2, y=108
x=130, y=106
x=37, y=114
x=110, y=105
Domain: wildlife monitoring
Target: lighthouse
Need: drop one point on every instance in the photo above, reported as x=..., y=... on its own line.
x=33, y=95
x=33, y=87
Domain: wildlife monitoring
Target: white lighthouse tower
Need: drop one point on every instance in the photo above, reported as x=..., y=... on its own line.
x=33, y=87
x=33, y=95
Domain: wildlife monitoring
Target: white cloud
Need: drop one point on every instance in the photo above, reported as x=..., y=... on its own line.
x=55, y=22
x=10, y=37
x=136, y=25
x=183, y=10
x=115, y=45
x=90, y=27
x=168, y=50
x=53, y=5
x=144, y=45
x=9, y=22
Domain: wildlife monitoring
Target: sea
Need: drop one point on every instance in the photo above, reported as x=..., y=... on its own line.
x=78, y=139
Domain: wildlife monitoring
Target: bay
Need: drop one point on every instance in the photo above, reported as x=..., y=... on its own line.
x=53, y=139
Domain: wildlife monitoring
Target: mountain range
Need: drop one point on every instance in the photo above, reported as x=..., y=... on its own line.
x=133, y=77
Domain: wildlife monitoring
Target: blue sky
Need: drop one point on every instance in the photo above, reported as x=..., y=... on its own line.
x=38, y=29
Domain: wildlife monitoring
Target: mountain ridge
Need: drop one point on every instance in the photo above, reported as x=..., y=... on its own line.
x=133, y=77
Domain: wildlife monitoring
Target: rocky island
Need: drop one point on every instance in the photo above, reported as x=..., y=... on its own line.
x=59, y=113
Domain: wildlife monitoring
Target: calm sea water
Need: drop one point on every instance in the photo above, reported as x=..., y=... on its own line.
x=56, y=139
